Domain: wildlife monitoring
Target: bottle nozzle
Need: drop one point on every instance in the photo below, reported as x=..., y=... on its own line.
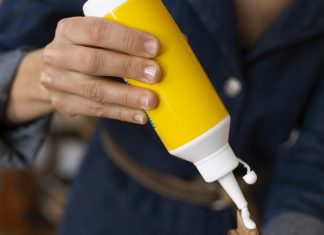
x=232, y=188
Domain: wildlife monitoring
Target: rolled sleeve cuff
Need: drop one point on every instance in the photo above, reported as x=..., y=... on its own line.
x=294, y=223
x=19, y=144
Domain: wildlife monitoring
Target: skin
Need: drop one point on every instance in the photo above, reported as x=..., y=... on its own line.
x=71, y=72
x=70, y=75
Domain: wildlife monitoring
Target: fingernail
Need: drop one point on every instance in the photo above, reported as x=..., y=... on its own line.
x=144, y=101
x=139, y=118
x=151, y=47
x=150, y=72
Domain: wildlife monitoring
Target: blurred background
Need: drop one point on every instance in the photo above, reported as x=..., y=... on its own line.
x=32, y=201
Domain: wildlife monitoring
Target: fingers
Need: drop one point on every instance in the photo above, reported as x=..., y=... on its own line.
x=100, y=62
x=84, y=53
x=72, y=105
x=98, y=32
x=100, y=90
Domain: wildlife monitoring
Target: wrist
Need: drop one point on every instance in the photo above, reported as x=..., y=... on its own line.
x=28, y=99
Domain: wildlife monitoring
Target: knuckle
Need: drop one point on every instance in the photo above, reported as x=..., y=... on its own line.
x=129, y=67
x=92, y=62
x=48, y=47
x=97, y=31
x=45, y=80
x=56, y=102
x=130, y=41
x=119, y=114
x=48, y=53
x=99, y=111
x=94, y=90
x=125, y=98
x=62, y=27
x=59, y=104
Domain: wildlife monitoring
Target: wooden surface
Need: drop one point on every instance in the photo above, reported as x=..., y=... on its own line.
x=241, y=229
x=17, y=197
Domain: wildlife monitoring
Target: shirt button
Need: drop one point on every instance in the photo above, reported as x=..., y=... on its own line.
x=232, y=87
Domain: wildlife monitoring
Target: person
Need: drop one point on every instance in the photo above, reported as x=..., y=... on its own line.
x=265, y=59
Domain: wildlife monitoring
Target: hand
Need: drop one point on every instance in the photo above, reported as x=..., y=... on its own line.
x=88, y=49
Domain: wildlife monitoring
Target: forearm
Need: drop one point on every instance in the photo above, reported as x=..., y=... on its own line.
x=28, y=99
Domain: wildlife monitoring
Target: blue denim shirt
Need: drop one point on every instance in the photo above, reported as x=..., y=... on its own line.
x=282, y=78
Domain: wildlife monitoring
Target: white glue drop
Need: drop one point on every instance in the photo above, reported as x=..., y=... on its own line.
x=248, y=222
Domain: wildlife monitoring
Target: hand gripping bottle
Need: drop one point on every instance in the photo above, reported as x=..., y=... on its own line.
x=191, y=120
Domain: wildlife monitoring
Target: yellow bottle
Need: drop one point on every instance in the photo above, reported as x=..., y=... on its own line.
x=191, y=120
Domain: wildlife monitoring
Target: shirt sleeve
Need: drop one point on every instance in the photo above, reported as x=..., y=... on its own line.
x=297, y=192
x=25, y=24
x=18, y=145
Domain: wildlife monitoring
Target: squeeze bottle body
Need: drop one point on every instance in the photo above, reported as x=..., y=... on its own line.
x=191, y=120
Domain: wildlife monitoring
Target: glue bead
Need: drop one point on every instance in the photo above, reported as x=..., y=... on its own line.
x=250, y=177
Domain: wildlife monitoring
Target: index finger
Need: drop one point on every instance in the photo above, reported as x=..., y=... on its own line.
x=99, y=32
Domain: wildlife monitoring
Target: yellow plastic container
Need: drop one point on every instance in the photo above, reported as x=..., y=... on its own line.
x=191, y=120
x=189, y=105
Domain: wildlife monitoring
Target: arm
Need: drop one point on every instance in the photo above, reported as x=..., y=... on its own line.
x=296, y=202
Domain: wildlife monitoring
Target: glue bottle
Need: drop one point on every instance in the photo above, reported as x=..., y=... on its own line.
x=191, y=120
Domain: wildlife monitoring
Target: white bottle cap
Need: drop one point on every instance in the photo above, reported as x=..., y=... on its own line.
x=100, y=8
x=217, y=164
x=250, y=177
